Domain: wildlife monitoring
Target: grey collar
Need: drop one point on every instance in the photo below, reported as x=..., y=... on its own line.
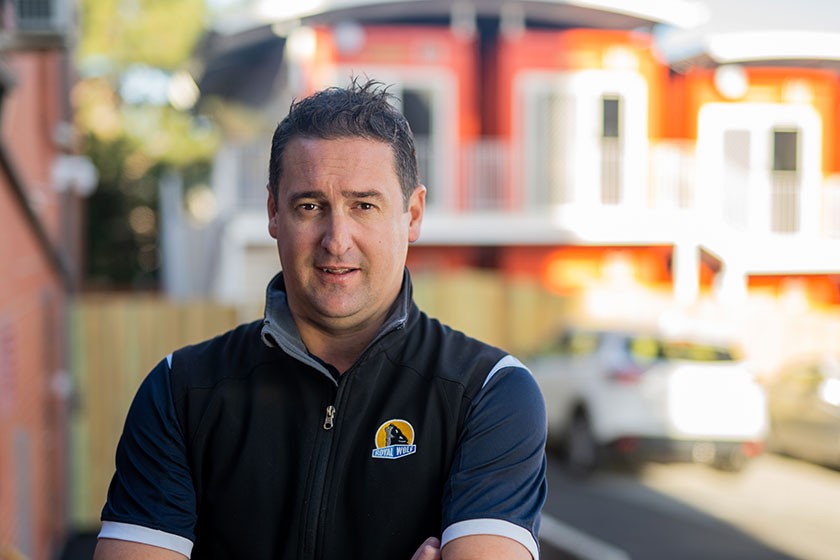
x=279, y=329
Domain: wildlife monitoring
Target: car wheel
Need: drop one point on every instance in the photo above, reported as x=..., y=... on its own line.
x=732, y=460
x=581, y=448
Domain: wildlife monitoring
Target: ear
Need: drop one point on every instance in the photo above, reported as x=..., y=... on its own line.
x=272, y=213
x=416, y=207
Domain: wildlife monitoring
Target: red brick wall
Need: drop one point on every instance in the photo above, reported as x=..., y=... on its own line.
x=32, y=419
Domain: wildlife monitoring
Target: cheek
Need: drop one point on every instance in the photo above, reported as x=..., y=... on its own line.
x=394, y=244
x=292, y=233
x=292, y=244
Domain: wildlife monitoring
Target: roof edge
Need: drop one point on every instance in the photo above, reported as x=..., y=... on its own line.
x=15, y=183
x=748, y=46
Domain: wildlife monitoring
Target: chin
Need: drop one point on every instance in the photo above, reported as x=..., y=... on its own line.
x=339, y=312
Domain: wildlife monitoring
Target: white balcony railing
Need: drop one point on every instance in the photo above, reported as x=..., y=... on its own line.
x=491, y=180
x=612, y=180
x=786, y=192
x=486, y=170
x=672, y=176
x=830, y=206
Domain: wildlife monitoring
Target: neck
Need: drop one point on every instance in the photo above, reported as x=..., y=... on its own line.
x=340, y=350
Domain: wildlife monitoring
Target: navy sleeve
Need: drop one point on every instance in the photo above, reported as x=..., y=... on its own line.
x=497, y=484
x=152, y=487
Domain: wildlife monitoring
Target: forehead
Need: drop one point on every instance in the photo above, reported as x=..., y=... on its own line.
x=339, y=159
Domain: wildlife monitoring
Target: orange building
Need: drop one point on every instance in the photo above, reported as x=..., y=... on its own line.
x=560, y=140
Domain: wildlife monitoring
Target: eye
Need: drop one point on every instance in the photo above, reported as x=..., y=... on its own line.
x=366, y=206
x=308, y=206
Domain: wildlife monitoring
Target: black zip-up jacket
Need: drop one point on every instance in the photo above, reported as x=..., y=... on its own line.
x=273, y=456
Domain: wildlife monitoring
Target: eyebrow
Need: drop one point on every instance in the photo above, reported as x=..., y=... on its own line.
x=319, y=195
x=361, y=194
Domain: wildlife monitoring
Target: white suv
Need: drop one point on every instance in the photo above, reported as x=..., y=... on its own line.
x=646, y=397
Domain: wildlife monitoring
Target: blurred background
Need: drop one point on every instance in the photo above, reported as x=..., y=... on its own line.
x=639, y=198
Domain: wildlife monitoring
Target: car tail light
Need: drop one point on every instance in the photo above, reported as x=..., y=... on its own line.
x=627, y=375
x=627, y=444
x=752, y=448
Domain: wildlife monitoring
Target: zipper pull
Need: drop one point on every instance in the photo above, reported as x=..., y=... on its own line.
x=330, y=417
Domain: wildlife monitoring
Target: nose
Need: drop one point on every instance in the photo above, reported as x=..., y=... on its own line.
x=337, y=238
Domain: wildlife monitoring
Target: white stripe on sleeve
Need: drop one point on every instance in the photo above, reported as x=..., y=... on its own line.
x=507, y=361
x=497, y=527
x=144, y=535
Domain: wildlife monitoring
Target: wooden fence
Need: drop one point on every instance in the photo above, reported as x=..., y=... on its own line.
x=115, y=340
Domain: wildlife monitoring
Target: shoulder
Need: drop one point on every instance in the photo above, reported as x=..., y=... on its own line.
x=451, y=354
x=497, y=484
x=153, y=399
x=208, y=361
x=510, y=392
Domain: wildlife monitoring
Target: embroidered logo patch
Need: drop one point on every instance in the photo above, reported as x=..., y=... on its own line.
x=394, y=440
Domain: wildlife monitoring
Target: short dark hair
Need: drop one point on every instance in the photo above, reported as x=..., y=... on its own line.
x=363, y=110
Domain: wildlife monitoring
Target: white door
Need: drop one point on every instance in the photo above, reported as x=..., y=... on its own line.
x=759, y=166
x=583, y=137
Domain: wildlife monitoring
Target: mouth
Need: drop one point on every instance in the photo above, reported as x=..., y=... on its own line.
x=338, y=271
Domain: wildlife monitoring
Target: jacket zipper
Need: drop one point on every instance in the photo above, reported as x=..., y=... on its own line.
x=316, y=511
x=318, y=488
x=329, y=419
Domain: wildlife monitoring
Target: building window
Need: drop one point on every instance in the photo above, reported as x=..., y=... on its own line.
x=417, y=107
x=611, y=116
x=785, y=196
x=785, y=150
x=611, y=150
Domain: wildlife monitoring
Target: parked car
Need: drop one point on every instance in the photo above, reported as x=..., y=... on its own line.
x=644, y=397
x=804, y=405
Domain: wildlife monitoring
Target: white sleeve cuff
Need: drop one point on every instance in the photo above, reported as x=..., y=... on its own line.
x=144, y=535
x=497, y=527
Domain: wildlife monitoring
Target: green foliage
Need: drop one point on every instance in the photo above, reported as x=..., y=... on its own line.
x=133, y=143
x=113, y=247
x=159, y=33
x=122, y=227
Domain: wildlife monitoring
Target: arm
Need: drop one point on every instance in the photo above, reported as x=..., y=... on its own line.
x=151, y=500
x=111, y=549
x=496, y=488
x=481, y=547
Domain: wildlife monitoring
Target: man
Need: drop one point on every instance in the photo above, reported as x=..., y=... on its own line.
x=347, y=424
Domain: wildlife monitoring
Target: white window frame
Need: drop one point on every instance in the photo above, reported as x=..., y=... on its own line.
x=586, y=89
x=442, y=184
x=759, y=120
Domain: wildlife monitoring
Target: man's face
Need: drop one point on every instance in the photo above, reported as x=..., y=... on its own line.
x=342, y=231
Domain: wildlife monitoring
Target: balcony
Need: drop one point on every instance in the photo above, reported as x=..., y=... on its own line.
x=830, y=208
x=498, y=194
x=785, y=203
